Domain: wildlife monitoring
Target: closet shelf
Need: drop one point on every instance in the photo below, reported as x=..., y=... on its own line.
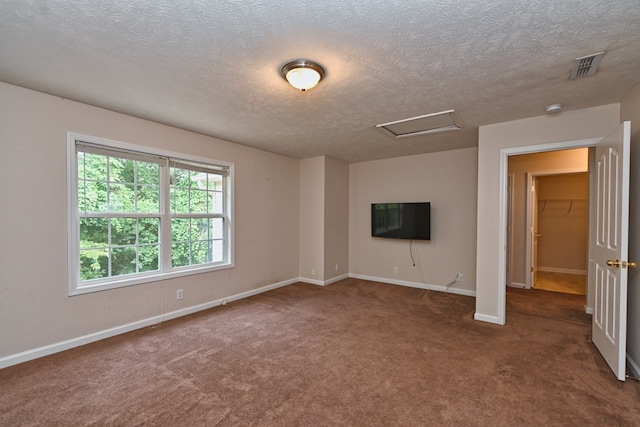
x=542, y=203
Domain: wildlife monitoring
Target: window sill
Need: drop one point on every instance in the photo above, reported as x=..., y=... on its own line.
x=75, y=289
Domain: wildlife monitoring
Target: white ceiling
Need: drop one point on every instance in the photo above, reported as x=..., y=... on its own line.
x=213, y=66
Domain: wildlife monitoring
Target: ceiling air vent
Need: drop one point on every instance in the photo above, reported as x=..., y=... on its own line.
x=586, y=66
x=431, y=123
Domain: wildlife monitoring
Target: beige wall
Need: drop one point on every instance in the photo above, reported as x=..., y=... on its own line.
x=35, y=310
x=447, y=180
x=494, y=144
x=324, y=220
x=336, y=217
x=536, y=163
x=630, y=110
x=312, y=189
x=563, y=222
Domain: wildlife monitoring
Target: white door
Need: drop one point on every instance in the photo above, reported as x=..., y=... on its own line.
x=610, y=248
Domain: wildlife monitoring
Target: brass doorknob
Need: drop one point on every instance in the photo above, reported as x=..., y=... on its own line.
x=623, y=264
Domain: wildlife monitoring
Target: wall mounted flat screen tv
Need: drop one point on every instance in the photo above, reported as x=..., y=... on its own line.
x=401, y=220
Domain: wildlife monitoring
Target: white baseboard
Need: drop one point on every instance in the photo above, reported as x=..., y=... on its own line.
x=25, y=356
x=323, y=282
x=336, y=279
x=633, y=367
x=517, y=285
x=440, y=288
x=562, y=270
x=486, y=318
x=312, y=281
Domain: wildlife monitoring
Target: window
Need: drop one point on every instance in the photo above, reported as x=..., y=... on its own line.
x=137, y=215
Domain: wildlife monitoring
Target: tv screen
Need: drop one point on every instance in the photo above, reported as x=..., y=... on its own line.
x=401, y=220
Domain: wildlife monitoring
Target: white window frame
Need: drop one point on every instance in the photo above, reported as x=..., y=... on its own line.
x=75, y=286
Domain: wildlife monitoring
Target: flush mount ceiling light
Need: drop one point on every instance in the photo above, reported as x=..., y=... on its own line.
x=302, y=74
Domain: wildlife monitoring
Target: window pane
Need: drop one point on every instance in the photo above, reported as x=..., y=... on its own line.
x=218, y=206
x=180, y=229
x=92, y=167
x=201, y=229
x=148, y=173
x=123, y=261
x=148, y=230
x=180, y=178
x=94, y=233
x=93, y=197
x=148, y=258
x=123, y=231
x=179, y=200
x=121, y=198
x=179, y=254
x=200, y=202
x=217, y=228
x=197, y=180
x=121, y=170
x=94, y=264
x=217, y=251
x=148, y=199
x=208, y=181
x=200, y=252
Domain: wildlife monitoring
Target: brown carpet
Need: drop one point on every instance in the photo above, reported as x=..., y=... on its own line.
x=354, y=353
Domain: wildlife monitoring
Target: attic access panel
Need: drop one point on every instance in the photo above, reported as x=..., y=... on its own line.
x=430, y=123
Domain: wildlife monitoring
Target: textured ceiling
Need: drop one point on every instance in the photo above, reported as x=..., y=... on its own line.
x=213, y=66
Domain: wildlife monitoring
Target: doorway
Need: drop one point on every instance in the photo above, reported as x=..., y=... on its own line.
x=547, y=235
x=560, y=232
x=609, y=162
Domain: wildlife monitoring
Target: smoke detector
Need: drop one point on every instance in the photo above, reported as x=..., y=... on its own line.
x=586, y=66
x=553, y=108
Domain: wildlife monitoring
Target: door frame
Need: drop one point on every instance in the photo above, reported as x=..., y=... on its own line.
x=502, y=219
x=510, y=207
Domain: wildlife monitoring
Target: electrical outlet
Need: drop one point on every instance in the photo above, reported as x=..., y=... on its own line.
x=460, y=277
x=337, y=267
x=395, y=268
x=313, y=271
x=179, y=294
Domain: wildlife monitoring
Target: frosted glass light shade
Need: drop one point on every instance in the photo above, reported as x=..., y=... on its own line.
x=302, y=74
x=303, y=78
